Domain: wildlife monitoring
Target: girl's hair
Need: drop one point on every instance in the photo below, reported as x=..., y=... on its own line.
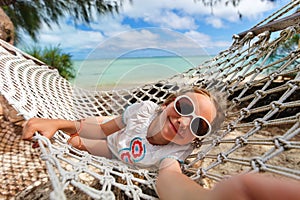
x=218, y=100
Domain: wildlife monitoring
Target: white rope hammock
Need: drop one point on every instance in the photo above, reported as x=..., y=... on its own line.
x=261, y=132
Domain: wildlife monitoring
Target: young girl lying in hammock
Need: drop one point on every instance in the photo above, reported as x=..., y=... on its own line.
x=145, y=134
x=148, y=135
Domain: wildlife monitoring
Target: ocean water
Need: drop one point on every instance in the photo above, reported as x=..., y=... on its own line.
x=106, y=74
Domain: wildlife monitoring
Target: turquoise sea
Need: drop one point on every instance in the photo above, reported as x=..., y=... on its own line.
x=106, y=74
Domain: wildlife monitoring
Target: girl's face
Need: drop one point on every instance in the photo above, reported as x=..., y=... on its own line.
x=176, y=128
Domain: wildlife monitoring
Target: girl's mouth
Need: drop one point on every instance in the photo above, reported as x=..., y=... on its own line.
x=172, y=125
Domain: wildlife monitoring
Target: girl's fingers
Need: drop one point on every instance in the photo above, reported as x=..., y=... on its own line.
x=35, y=145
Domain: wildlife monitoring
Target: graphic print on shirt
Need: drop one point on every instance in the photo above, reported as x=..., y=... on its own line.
x=135, y=152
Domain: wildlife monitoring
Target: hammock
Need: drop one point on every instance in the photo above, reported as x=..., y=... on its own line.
x=260, y=134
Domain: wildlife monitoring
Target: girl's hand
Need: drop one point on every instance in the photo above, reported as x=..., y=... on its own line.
x=46, y=127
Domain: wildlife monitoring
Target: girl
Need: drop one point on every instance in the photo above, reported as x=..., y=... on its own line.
x=145, y=134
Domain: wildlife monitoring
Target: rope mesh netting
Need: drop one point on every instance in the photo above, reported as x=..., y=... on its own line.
x=260, y=134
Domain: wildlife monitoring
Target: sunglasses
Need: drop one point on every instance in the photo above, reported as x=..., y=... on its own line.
x=199, y=126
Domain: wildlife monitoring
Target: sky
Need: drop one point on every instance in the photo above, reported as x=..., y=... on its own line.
x=156, y=27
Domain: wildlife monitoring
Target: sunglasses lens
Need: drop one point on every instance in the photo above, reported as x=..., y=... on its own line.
x=199, y=127
x=184, y=106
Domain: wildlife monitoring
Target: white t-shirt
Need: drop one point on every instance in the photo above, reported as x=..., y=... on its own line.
x=131, y=145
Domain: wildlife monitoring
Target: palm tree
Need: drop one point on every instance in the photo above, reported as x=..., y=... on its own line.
x=285, y=48
x=54, y=57
x=30, y=15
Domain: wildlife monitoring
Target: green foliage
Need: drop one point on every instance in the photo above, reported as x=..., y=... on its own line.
x=284, y=49
x=54, y=57
x=288, y=46
x=30, y=15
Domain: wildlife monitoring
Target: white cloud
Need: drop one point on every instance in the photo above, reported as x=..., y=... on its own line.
x=214, y=21
x=250, y=9
x=152, y=38
x=153, y=7
x=175, y=14
x=133, y=39
x=205, y=40
x=110, y=25
x=156, y=11
x=172, y=20
x=67, y=37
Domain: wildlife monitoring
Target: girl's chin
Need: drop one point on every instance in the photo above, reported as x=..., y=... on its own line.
x=178, y=140
x=168, y=134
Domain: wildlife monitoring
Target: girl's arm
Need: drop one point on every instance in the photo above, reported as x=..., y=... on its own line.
x=172, y=184
x=94, y=128
x=91, y=127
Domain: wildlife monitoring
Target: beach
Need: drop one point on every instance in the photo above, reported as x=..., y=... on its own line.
x=107, y=74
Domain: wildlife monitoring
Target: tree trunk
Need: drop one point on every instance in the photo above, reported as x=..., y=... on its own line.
x=7, y=30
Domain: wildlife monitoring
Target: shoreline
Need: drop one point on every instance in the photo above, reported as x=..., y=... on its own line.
x=114, y=86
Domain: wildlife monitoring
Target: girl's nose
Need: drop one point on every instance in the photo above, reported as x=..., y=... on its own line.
x=184, y=122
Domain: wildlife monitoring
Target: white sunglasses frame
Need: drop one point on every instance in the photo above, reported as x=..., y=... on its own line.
x=193, y=114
